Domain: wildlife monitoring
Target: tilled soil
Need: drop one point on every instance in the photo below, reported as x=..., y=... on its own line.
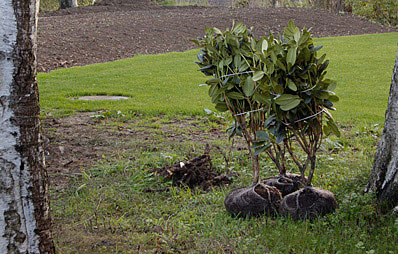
x=117, y=29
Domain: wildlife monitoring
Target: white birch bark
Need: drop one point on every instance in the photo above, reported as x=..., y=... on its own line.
x=8, y=156
x=21, y=229
x=384, y=176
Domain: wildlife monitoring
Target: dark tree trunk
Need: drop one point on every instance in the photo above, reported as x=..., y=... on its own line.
x=339, y=6
x=24, y=205
x=67, y=4
x=384, y=177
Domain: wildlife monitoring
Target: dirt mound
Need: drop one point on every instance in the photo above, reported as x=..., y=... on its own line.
x=136, y=3
x=123, y=3
x=117, y=29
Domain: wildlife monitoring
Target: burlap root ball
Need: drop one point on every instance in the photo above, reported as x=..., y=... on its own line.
x=254, y=200
x=308, y=203
x=286, y=184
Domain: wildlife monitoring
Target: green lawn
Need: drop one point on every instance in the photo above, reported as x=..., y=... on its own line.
x=169, y=83
x=105, y=209
x=362, y=66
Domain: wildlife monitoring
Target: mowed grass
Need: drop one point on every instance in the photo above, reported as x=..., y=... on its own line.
x=362, y=66
x=156, y=84
x=169, y=83
x=105, y=208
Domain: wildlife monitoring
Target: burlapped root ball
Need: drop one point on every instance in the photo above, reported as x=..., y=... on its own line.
x=286, y=184
x=255, y=200
x=308, y=203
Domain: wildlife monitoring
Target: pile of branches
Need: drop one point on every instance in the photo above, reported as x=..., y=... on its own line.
x=196, y=172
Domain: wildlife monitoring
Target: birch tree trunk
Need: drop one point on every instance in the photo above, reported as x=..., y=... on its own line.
x=384, y=177
x=24, y=205
x=67, y=4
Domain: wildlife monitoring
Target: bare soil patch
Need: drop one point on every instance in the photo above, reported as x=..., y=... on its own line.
x=196, y=172
x=117, y=29
x=75, y=143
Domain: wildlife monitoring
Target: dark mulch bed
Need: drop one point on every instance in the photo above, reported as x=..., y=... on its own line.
x=116, y=29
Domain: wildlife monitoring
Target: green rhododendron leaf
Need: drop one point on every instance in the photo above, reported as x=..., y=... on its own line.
x=258, y=75
x=248, y=87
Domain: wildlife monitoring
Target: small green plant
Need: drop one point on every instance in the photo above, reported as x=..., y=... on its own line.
x=229, y=57
x=300, y=97
x=276, y=91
